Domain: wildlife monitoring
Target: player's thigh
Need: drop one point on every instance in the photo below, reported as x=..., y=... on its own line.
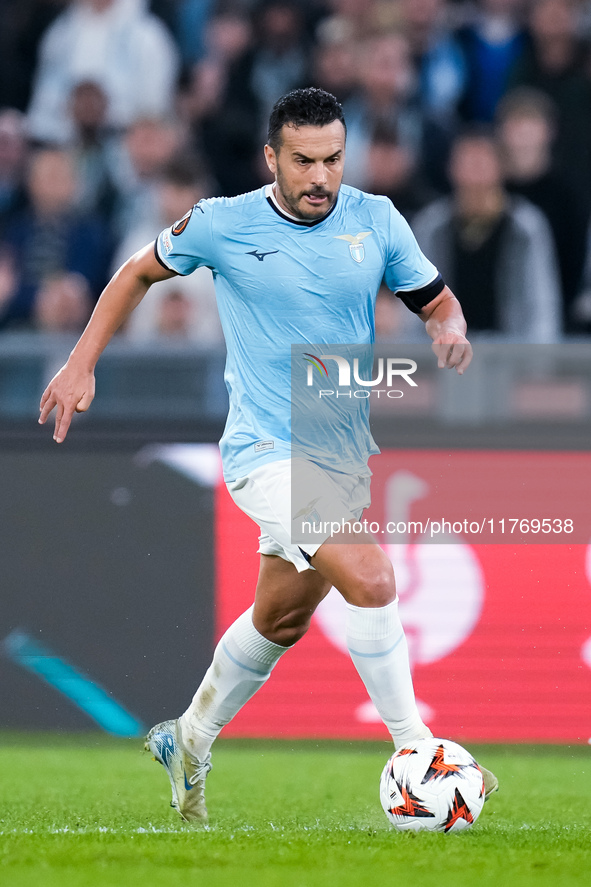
x=356, y=565
x=285, y=599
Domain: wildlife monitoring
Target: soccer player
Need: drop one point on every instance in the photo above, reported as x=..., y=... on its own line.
x=299, y=261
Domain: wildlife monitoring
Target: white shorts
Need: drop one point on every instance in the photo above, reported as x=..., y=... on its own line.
x=298, y=506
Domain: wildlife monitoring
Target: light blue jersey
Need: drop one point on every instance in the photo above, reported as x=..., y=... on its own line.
x=280, y=282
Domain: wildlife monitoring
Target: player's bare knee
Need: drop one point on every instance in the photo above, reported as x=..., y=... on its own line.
x=286, y=629
x=291, y=627
x=287, y=637
x=373, y=589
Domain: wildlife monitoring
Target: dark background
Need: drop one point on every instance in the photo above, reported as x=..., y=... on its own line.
x=110, y=565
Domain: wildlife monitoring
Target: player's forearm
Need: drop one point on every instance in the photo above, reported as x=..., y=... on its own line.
x=121, y=295
x=443, y=317
x=445, y=324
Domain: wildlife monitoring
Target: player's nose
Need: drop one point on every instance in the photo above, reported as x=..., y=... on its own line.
x=319, y=174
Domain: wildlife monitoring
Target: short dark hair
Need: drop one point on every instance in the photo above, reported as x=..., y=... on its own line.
x=303, y=107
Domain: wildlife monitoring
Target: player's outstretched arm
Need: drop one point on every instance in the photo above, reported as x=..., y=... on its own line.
x=72, y=388
x=445, y=323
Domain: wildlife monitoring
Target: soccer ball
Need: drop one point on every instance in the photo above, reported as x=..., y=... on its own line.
x=432, y=785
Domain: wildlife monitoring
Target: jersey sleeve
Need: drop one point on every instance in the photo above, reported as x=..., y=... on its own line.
x=188, y=244
x=407, y=269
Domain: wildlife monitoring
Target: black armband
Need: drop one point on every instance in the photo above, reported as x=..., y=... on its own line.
x=415, y=300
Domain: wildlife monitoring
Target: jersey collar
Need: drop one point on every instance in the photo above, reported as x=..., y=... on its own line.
x=272, y=201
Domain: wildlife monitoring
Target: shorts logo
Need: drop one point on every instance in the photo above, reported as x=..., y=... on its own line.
x=167, y=243
x=180, y=226
x=309, y=511
x=262, y=445
x=356, y=247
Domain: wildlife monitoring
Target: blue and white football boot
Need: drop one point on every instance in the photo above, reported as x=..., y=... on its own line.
x=186, y=773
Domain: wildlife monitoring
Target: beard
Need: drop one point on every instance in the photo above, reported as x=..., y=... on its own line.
x=292, y=199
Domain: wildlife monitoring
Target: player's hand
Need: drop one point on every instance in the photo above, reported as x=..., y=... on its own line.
x=70, y=391
x=452, y=351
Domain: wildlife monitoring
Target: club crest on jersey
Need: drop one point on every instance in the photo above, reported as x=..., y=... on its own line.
x=356, y=247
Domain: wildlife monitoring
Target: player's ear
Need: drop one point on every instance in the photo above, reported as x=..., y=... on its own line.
x=271, y=158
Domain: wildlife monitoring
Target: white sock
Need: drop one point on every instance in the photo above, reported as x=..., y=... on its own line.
x=243, y=660
x=378, y=648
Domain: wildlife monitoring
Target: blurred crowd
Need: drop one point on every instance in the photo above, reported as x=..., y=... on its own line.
x=473, y=116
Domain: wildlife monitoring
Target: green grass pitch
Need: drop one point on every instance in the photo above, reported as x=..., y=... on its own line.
x=93, y=812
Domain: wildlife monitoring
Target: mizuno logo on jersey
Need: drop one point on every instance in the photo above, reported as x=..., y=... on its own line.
x=261, y=256
x=356, y=247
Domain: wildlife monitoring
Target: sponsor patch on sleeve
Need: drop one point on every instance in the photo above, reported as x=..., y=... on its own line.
x=167, y=243
x=180, y=226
